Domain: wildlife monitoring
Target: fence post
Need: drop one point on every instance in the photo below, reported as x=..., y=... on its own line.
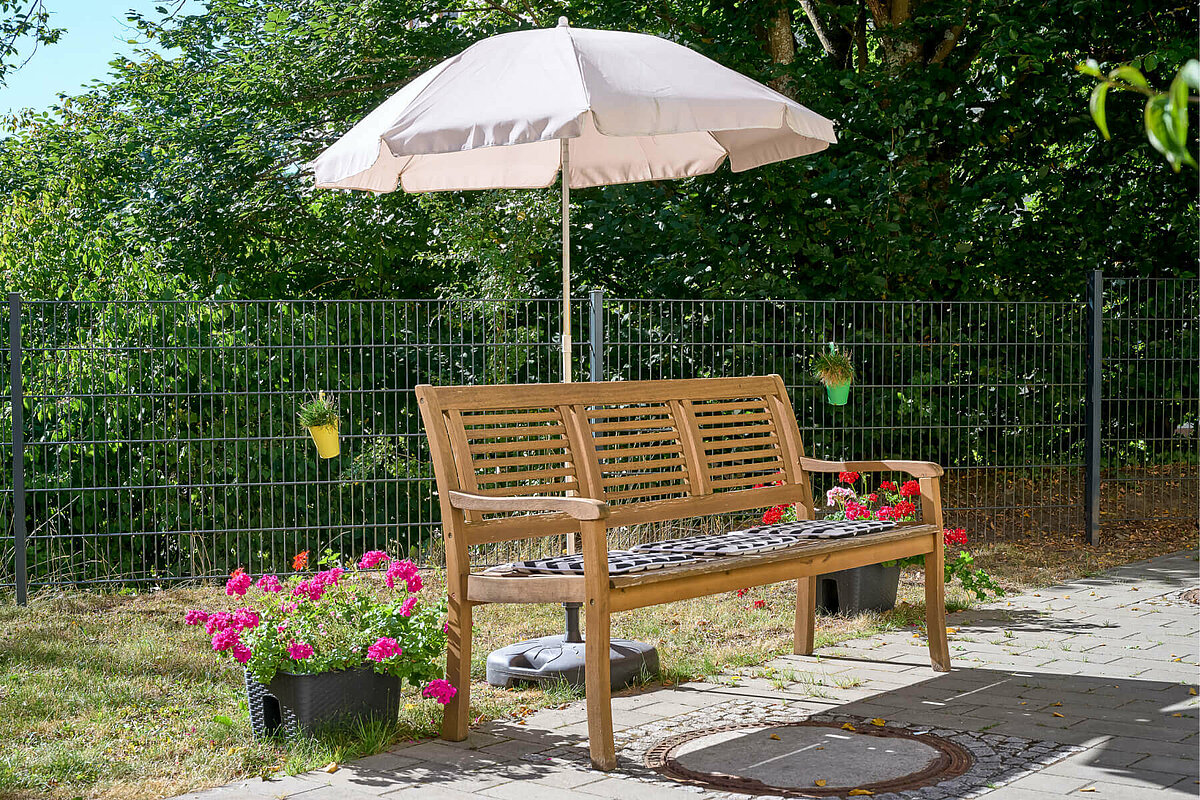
x=1095, y=361
x=596, y=329
x=18, y=447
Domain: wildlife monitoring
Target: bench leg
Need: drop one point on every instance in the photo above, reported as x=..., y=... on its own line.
x=806, y=612
x=599, y=683
x=935, y=609
x=456, y=720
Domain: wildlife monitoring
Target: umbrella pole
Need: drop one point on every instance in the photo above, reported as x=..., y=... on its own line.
x=566, y=260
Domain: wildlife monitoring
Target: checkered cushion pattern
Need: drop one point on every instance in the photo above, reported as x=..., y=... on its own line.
x=620, y=562
x=764, y=538
x=725, y=544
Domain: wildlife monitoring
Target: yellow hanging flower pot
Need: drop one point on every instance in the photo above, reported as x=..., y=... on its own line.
x=326, y=437
x=320, y=417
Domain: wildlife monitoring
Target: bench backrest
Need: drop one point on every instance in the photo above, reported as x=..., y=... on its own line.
x=653, y=450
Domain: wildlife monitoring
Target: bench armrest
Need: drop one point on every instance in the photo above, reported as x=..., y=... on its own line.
x=917, y=469
x=577, y=507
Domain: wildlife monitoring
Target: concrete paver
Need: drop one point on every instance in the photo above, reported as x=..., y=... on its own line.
x=1103, y=664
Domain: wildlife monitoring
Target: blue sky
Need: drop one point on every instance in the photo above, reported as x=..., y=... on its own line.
x=96, y=32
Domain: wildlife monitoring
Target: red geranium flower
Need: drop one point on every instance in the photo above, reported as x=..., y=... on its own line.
x=955, y=536
x=848, y=477
x=903, y=509
x=300, y=561
x=773, y=515
x=910, y=489
x=760, y=603
x=887, y=486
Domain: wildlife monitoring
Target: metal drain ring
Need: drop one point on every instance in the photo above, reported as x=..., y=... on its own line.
x=952, y=760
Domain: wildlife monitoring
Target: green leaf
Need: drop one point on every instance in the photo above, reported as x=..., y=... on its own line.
x=1157, y=131
x=1178, y=110
x=1090, y=67
x=1130, y=75
x=1096, y=106
x=1191, y=73
x=223, y=720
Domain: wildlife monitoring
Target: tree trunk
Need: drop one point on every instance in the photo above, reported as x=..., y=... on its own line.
x=782, y=45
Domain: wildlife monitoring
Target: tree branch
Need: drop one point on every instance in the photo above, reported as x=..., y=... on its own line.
x=824, y=35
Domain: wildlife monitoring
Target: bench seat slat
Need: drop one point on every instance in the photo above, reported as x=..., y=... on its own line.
x=638, y=424
x=516, y=431
x=514, y=417
x=774, y=465
x=521, y=446
x=512, y=461
x=620, y=440
x=732, y=444
x=514, y=476
x=708, y=423
x=757, y=404
x=532, y=489
x=639, y=452
x=666, y=478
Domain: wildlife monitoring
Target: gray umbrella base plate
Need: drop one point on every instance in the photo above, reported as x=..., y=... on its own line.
x=550, y=659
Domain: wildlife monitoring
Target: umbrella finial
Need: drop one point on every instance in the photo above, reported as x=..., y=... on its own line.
x=562, y=22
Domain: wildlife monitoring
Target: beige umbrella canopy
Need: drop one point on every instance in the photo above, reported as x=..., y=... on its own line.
x=596, y=107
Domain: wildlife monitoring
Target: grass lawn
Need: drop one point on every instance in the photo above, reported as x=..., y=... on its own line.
x=111, y=696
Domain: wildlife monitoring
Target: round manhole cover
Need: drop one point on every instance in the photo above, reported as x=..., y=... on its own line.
x=808, y=759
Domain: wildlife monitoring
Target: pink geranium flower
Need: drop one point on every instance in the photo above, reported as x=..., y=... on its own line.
x=299, y=650
x=225, y=639
x=373, y=558
x=245, y=618
x=385, y=647
x=238, y=583
x=269, y=583
x=439, y=690
x=241, y=653
x=195, y=617
x=218, y=622
x=406, y=571
x=406, y=608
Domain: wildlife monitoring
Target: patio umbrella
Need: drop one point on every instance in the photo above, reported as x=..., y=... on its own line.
x=594, y=107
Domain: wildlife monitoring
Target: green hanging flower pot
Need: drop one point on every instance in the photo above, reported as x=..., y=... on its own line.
x=836, y=371
x=838, y=394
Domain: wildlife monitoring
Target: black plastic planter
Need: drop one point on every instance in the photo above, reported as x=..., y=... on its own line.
x=296, y=704
x=869, y=588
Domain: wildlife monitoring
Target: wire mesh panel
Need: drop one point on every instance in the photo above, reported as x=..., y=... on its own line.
x=993, y=391
x=162, y=441
x=1150, y=387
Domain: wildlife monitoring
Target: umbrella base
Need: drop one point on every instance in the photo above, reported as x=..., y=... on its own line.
x=553, y=659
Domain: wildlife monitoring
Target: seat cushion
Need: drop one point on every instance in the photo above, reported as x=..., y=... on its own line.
x=751, y=540
x=620, y=562
x=763, y=538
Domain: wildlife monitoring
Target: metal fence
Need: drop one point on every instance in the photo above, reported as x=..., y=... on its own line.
x=157, y=441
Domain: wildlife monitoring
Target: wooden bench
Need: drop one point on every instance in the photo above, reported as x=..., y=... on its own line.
x=523, y=461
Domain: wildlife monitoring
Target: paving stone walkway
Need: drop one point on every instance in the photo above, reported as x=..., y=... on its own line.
x=1086, y=689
